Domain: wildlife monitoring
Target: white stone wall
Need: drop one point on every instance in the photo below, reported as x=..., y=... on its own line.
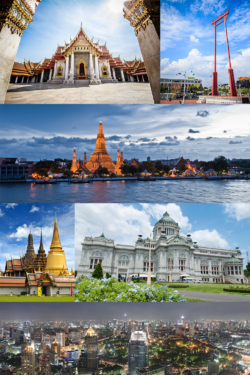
x=13, y=290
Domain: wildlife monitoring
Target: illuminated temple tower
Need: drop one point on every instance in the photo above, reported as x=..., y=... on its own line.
x=74, y=162
x=100, y=156
x=56, y=260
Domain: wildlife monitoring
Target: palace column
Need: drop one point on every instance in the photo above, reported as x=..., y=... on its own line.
x=97, y=68
x=42, y=76
x=146, y=24
x=122, y=74
x=11, y=31
x=91, y=66
x=67, y=68
x=16, y=79
x=50, y=74
x=73, y=65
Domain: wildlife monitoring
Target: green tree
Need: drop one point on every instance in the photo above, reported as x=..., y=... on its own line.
x=102, y=170
x=247, y=270
x=98, y=272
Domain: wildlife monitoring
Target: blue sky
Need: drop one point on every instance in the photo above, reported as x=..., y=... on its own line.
x=216, y=225
x=187, y=38
x=58, y=20
x=50, y=131
x=16, y=221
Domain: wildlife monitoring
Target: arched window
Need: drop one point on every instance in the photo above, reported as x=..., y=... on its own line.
x=182, y=262
x=146, y=263
x=59, y=71
x=95, y=259
x=123, y=260
x=204, y=267
x=215, y=268
x=105, y=71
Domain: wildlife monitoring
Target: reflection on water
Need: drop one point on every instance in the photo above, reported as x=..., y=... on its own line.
x=128, y=192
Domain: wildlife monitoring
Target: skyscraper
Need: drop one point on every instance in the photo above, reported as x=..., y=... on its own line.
x=60, y=338
x=37, y=335
x=137, y=351
x=92, y=350
x=28, y=359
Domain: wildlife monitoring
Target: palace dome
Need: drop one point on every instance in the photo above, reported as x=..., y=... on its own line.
x=166, y=219
x=233, y=259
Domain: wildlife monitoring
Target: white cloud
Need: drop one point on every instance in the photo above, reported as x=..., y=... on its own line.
x=203, y=66
x=193, y=39
x=157, y=211
x=209, y=238
x=1, y=213
x=34, y=209
x=23, y=231
x=208, y=6
x=11, y=205
x=239, y=211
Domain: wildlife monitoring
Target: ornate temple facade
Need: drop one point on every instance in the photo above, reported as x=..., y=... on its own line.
x=99, y=158
x=81, y=61
x=32, y=270
x=173, y=257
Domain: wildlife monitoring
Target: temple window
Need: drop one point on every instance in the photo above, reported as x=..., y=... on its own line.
x=105, y=71
x=59, y=71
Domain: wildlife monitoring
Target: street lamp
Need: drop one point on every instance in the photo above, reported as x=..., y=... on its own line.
x=149, y=261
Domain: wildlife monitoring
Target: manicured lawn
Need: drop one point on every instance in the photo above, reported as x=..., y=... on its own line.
x=195, y=300
x=207, y=288
x=36, y=299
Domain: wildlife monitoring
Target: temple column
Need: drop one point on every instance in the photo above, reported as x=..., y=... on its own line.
x=28, y=78
x=67, y=68
x=122, y=74
x=73, y=65
x=54, y=76
x=137, y=79
x=16, y=79
x=131, y=78
x=91, y=66
x=143, y=80
x=109, y=69
x=96, y=68
x=114, y=73
x=50, y=74
x=22, y=79
x=42, y=75
x=100, y=69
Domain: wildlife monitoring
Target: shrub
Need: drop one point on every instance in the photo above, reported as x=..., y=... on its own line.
x=238, y=290
x=98, y=272
x=23, y=293
x=91, y=289
x=108, y=276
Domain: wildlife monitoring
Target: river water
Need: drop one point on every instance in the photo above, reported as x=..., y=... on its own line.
x=189, y=191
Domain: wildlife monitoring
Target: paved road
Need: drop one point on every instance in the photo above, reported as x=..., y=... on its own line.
x=215, y=297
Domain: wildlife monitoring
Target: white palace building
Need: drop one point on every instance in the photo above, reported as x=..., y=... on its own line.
x=173, y=257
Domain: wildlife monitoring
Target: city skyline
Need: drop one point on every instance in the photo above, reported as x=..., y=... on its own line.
x=202, y=133
x=135, y=311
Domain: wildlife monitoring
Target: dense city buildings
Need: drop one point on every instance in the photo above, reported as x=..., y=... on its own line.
x=174, y=257
x=152, y=347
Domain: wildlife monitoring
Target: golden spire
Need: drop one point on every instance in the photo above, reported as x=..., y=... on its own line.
x=56, y=243
x=91, y=332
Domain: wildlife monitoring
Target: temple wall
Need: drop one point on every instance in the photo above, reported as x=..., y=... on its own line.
x=9, y=44
x=149, y=43
x=13, y=290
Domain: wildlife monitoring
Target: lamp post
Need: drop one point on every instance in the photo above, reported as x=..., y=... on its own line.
x=149, y=261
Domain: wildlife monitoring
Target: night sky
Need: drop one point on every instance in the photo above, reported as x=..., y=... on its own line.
x=136, y=311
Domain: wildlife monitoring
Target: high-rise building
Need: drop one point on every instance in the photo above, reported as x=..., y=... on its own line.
x=138, y=351
x=28, y=359
x=55, y=347
x=19, y=337
x=44, y=364
x=183, y=321
x=37, y=335
x=164, y=368
x=213, y=367
x=60, y=338
x=26, y=328
x=92, y=350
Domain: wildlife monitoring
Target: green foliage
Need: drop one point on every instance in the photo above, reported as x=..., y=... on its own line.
x=219, y=164
x=247, y=270
x=91, y=289
x=23, y=293
x=102, y=170
x=98, y=272
x=238, y=290
x=108, y=276
x=128, y=169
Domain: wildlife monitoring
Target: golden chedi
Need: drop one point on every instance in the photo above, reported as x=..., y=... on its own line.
x=74, y=166
x=56, y=260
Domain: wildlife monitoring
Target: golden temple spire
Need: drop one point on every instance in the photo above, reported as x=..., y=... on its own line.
x=100, y=128
x=56, y=243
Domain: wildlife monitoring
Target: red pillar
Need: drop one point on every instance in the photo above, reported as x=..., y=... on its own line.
x=215, y=75
x=230, y=70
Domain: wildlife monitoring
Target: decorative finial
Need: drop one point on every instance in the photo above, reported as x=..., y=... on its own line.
x=81, y=25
